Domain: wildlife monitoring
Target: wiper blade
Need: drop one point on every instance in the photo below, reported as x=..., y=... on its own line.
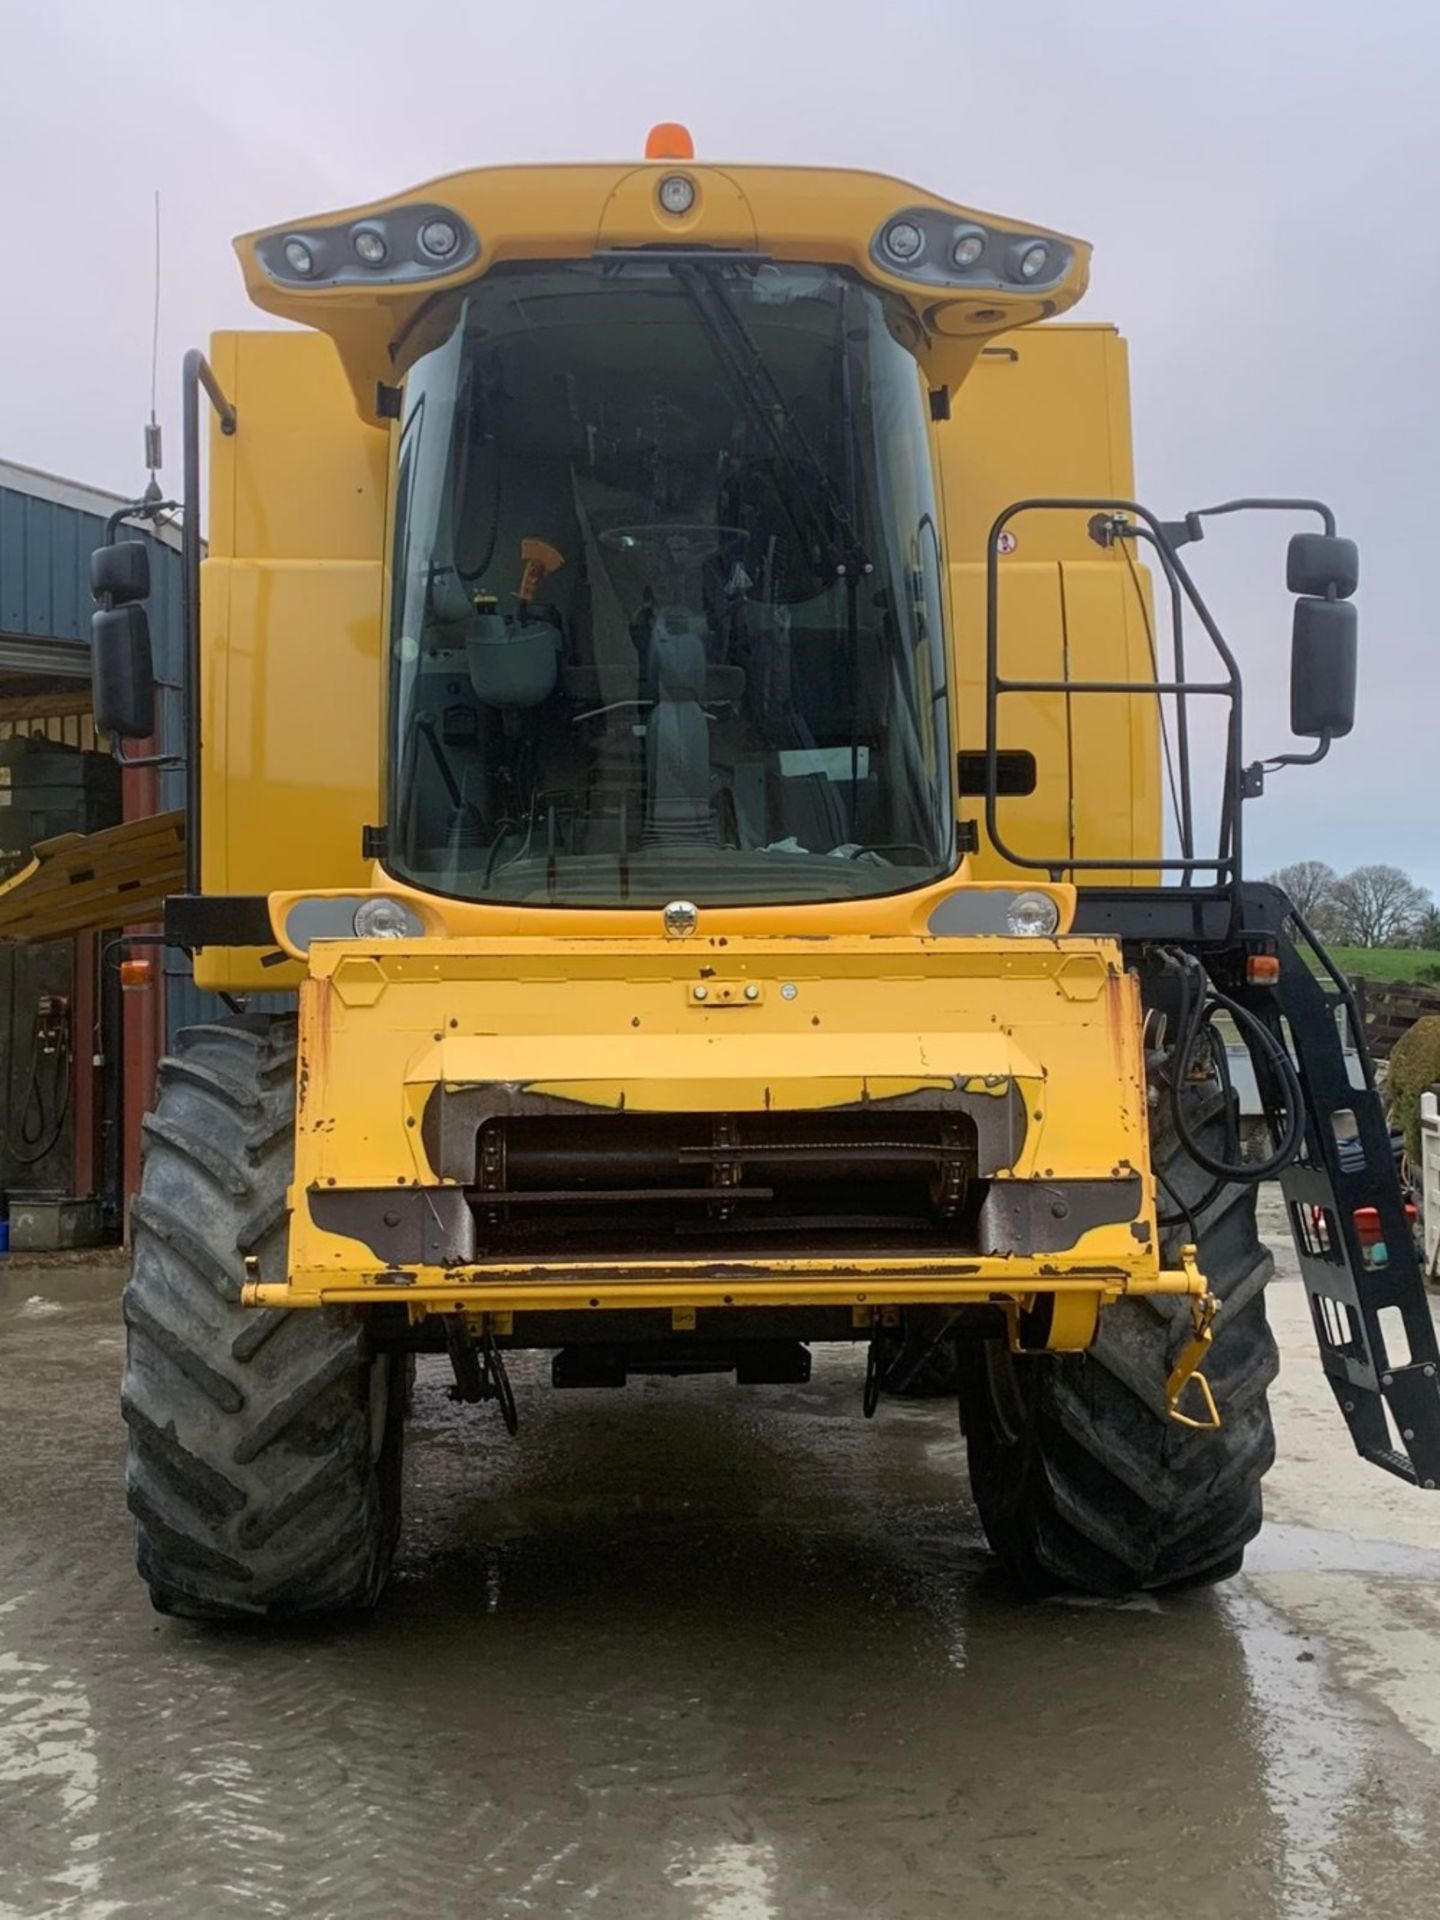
x=760, y=392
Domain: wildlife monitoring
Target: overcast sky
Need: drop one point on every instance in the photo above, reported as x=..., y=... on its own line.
x=1259, y=179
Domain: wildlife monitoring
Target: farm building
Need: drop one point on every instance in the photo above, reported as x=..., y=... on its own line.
x=77, y=1051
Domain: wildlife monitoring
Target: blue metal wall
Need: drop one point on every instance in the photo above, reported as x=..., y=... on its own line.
x=45, y=548
x=47, y=534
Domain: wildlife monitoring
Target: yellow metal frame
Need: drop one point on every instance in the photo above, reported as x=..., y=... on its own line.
x=516, y=1286
x=1037, y=1028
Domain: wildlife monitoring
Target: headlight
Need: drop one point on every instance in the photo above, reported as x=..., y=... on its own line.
x=967, y=248
x=1031, y=262
x=369, y=244
x=439, y=238
x=416, y=241
x=904, y=241
x=381, y=919
x=929, y=245
x=1032, y=916
x=980, y=913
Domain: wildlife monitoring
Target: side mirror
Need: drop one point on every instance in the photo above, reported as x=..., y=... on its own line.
x=1322, y=564
x=122, y=673
x=1322, y=665
x=122, y=572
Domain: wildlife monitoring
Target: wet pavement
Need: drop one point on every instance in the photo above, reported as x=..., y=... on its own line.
x=693, y=1652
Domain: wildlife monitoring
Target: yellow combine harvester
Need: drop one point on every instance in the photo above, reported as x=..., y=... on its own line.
x=675, y=686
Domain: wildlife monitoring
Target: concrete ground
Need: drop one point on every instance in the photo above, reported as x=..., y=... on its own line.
x=690, y=1652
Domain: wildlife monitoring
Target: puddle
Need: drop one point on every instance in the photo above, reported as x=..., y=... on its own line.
x=686, y=1654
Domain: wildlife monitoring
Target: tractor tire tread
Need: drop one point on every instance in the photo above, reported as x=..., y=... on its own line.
x=1099, y=1490
x=262, y=1468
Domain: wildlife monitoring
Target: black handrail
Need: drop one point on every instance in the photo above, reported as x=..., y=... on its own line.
x=197, y=373
x=1226, y=864
x=1182, y=709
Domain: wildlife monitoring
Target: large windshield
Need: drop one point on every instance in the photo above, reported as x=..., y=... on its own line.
x=666, y=615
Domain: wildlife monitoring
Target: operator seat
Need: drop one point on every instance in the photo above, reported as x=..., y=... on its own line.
x=677, y=740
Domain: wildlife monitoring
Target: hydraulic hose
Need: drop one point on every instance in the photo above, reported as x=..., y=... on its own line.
x=1197, y=1010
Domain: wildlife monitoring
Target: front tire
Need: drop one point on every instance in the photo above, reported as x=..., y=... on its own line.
x=264, y=1445
x=920, y=1367
x=1082, y=1480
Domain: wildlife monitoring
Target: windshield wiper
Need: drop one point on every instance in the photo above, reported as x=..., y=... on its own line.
x=762, y=397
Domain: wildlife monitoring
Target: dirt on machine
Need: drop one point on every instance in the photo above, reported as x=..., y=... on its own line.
x=748, y=807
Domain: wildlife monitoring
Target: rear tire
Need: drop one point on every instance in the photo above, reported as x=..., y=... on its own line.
x=265, y=1445
x=1082, y=1480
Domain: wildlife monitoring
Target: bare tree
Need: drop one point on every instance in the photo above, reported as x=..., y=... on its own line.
x=1311, y=885
x=1378, y=907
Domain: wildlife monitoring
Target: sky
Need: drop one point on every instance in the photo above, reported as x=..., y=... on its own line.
x=1259, y=180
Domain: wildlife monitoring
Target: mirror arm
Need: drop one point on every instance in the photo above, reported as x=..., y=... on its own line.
x=1302, y=759
x=1252, y=781
x=1259, y=505
x=124, y=759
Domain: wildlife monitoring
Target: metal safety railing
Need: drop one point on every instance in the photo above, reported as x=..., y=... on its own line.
x=1114, y=521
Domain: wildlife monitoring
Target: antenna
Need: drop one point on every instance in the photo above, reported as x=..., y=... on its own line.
x=153, y=453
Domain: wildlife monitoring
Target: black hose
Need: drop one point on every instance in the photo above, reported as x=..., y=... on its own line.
x=1186, y=1214
x=41, y=1121
x=1190, y=1212
x=1196, y=1013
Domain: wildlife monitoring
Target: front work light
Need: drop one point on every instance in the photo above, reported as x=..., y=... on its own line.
x=929, y=245
x=439, y=239
x=1032, y=262
x=967, y=249
x=677, y=193
x=412, y=242
x=1032, y=916
x=904, y=241
x=380, y=918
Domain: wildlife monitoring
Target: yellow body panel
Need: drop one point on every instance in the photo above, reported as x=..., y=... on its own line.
x=565, y=212
x=1046, y=412
x=294, y=678
x=292, y=601
x=1033, y=1029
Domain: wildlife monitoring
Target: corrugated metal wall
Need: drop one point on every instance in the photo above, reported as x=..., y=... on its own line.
x=44, y=553
x=45, y=548
x=48, y=530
